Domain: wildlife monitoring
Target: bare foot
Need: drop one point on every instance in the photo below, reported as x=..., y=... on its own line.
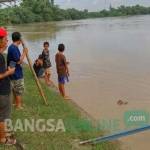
x=67, y=98
x=19, y=107
x=8, y=141
x=8, y=134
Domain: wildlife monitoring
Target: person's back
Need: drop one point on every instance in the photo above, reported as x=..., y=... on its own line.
x=38, y=67
x=14, y=56
x=60, y=64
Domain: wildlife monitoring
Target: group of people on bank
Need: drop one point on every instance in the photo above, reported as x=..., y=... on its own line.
x=12, y=79
x=42, y=67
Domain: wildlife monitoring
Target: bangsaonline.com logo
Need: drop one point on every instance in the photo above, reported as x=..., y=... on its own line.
x=32, y=125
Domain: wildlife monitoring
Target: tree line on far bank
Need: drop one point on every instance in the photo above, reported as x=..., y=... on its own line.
x=44, y=11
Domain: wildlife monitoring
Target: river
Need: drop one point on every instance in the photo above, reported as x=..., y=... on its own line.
x=109, y=61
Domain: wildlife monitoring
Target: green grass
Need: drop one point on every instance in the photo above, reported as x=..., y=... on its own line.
x=77, y=127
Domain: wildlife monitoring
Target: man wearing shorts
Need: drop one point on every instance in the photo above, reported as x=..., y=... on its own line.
x=5, y=102
x=14, y=57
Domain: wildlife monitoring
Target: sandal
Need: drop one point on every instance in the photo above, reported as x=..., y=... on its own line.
x=13, y=142
x=9, y=141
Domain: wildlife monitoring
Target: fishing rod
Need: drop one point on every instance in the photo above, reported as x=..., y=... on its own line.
x=115, y=136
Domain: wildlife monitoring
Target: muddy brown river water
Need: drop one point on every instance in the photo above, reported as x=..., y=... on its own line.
x=110, y=61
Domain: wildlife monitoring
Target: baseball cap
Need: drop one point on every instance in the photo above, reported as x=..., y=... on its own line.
x=3, y=32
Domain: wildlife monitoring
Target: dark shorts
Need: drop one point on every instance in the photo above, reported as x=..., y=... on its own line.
x=63, y=79
x=40, y=73
x=5, y=107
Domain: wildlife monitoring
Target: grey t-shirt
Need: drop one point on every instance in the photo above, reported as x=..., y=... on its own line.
x=46, y=59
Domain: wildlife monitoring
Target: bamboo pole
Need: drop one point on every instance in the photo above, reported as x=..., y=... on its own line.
x=35, y=76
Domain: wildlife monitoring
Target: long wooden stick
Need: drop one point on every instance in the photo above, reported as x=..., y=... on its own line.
x=35, y=77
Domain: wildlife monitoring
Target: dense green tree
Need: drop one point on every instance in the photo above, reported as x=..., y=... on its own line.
x=45, y=10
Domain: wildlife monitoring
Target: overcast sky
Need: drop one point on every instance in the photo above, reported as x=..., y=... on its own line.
x=98, y=4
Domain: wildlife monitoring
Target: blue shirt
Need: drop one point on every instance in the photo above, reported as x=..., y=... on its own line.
x=14, y=55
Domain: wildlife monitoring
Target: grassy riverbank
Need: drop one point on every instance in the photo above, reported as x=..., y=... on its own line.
x=77, y=127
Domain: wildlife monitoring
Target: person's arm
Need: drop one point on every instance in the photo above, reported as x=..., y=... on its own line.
x=16, y=56
x=66, y=66
x=10, y=71
x=68, y=63
x=67, y=70
x=25, y=50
